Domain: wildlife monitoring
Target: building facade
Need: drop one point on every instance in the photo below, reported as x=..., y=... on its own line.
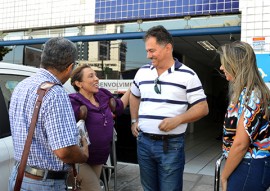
x=27, y=20
x=108, y=33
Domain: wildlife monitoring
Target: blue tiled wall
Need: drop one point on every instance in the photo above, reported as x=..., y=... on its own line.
x=124, y=10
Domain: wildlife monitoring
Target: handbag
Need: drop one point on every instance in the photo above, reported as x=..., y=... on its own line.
x=76, y=183
x=42, y=90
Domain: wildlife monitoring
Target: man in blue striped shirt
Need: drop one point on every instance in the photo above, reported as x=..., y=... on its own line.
x=54, y=143
x=166, y=95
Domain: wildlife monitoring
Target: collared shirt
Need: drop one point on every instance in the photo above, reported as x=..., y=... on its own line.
x=55, y=127
x=255, y=123
x=180, y=87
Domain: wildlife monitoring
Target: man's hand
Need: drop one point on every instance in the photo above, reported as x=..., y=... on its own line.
x=168, y=124
x=135, y=129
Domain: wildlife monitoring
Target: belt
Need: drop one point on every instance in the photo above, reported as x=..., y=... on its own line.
x=164, y=138
x=39, y=174
x=26, y=174
x=158, y=137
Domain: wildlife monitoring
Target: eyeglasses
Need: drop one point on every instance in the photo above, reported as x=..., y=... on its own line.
x=74, y=65
x=156, y=87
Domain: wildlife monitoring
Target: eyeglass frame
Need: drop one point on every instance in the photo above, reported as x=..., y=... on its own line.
x=75, y=64
x=156, y=82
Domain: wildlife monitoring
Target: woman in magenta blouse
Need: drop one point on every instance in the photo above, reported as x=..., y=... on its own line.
x=99, y=122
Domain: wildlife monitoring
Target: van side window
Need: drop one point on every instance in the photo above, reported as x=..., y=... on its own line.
x=4, y=122
x=7, y=84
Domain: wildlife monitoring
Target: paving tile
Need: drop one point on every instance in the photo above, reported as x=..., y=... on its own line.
x=128, y=179
x=188, y=185
x=191, y=177
x=203, y=188
x=206, y=180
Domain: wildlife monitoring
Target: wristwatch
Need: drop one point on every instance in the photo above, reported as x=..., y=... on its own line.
x=133, y=121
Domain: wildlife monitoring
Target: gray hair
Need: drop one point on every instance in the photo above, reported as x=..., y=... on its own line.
x=58, y=53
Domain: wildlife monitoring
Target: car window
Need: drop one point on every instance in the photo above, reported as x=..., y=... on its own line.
x=4, y=122
x=7, y=84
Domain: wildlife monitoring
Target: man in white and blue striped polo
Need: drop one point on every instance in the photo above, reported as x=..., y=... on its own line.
x=166, y=95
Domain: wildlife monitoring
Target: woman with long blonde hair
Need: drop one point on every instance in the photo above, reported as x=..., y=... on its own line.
x=246, y=134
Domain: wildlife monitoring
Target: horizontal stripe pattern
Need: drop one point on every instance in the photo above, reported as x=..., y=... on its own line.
x=200, y=100
x=194, y=89
x=165, y=101
x=152, y=117
x=163, y=83
x=184, y=70
x=180, y=87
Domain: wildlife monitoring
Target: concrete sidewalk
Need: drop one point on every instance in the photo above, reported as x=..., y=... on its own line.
x=128, y=179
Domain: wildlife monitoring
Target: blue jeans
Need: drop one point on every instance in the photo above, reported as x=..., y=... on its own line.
x=161, y=171
x=250, y=175
x=29, y=184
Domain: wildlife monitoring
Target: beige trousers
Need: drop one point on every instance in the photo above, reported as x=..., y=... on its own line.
x=90, y=176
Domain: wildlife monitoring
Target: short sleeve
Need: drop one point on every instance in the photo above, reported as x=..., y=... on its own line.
x=252, y=116
x=119, y=107
x=76, y=107
x=135, y=85
x=59, y=121
x=195, y=92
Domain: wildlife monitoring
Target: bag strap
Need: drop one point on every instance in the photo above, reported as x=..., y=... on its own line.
x=42, y=90
x=82, y=116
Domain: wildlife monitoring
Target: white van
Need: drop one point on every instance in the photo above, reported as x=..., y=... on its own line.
x=10, y=76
